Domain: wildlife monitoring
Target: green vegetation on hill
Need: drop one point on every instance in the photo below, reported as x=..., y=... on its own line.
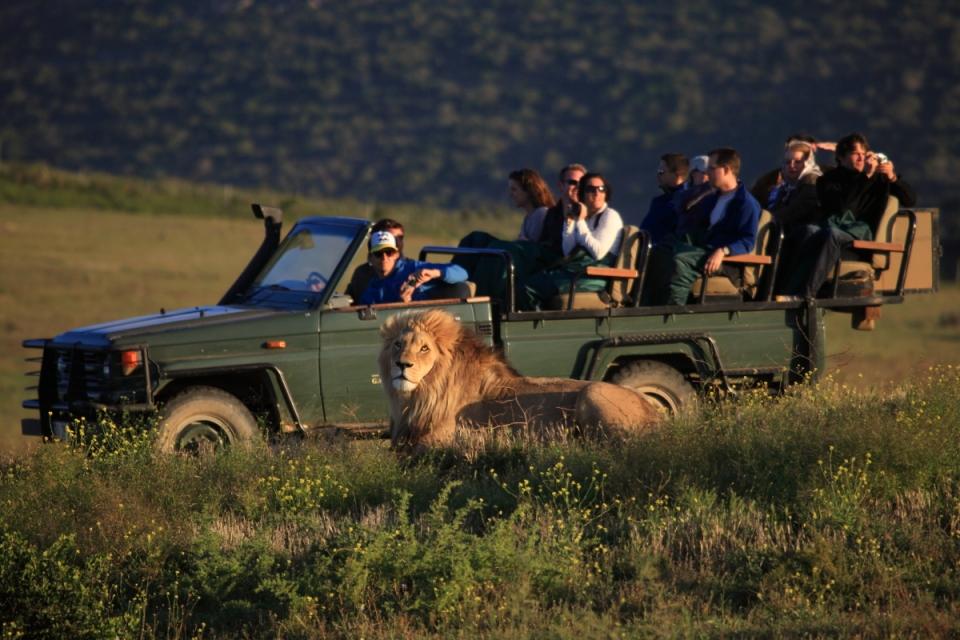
x=39, y=185
x=826, y=513
x=414, y=100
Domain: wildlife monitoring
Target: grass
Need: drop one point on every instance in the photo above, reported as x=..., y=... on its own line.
x=831, y=512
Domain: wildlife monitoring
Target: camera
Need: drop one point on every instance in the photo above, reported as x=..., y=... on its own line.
x=573, y=209
x=882, y=158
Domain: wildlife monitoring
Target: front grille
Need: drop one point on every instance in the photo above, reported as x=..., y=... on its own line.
x=79, y=374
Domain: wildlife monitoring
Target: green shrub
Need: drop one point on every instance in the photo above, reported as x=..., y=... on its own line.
x=823, y=513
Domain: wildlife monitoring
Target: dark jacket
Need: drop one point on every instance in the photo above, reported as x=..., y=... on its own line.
x=661, y=218
x=799, y=205
x=841, y=189
x=737, y=229
x=764, y=185
x=552, y=234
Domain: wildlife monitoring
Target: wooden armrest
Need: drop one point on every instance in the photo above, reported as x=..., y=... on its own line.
x=610, y=272
x=748, y=258
x=867, y=245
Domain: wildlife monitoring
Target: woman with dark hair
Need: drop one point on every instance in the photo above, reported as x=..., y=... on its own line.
x=528, y=253
x=529, y=192
x=591, y=236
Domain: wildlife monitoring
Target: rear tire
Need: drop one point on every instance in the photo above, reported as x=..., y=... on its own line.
x=663, y=385
x=205, y=419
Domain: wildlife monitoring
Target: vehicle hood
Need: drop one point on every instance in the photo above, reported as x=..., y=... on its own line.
x=129, y=329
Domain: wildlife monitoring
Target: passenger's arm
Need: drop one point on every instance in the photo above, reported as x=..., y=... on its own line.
x=904, y=192
x=746, y=229
x=598, y=242
x=453, y=273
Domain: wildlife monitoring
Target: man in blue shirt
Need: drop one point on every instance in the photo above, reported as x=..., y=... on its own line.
x=723, y=224
x=399, y=279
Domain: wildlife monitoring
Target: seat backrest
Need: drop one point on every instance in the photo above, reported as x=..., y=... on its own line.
x=885, y=233
x=766, y=229
x=620, y=289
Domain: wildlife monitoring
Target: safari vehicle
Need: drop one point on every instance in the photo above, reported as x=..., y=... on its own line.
x=286, y=348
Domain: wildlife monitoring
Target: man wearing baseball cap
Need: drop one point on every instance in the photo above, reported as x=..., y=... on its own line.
x=399, y=279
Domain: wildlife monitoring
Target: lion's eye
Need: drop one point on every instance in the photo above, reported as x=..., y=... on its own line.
x=396, y=345
x=424, y=349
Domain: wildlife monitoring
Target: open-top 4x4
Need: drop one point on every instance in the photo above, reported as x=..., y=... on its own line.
x=286, y=346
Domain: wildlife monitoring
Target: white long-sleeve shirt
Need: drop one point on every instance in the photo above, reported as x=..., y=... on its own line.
x=599, y=234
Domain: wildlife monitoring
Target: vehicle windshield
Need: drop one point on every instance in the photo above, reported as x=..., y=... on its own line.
x=305, y=261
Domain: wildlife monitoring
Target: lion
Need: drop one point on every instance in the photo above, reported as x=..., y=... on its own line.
x=438, y=375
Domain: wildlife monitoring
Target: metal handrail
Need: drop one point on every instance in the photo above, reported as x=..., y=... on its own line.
x=469, y=251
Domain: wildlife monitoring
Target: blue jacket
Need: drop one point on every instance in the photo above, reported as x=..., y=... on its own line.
x=388, y=289
x=661, y=218
x=737, y=229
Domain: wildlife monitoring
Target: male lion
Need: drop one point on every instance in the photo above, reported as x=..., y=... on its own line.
x=437, y=374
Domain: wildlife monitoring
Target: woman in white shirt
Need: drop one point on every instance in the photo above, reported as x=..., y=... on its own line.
x=591, y=236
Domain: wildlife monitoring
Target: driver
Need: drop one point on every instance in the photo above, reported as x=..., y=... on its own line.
x=399, y=279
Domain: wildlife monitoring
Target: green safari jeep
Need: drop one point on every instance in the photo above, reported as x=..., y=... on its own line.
x=286, y=348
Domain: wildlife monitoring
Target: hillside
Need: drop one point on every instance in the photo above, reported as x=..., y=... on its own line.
x=429, y=102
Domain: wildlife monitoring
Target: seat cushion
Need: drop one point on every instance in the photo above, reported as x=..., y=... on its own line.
x=581, y=300
x=719, y=285
x=848, y=267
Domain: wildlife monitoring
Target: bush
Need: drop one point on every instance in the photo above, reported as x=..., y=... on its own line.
x=824, y=512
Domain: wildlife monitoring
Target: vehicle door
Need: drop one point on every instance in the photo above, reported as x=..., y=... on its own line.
x=350, y=344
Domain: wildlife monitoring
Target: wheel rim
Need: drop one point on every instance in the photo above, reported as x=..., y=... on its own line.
x=203, y=433
x=666, y=402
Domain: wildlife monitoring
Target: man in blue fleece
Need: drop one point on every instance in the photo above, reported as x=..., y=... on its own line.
x=723, y=224
x=399, y=279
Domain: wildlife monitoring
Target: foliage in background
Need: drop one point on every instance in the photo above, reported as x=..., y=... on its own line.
x=412, y=100
x=823, y=513
x=39, y=185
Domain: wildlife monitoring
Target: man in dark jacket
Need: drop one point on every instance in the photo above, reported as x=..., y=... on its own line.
x=853, y=197
x=568, y=186
x=722, y=224
x=661, y=219
x=661, y=223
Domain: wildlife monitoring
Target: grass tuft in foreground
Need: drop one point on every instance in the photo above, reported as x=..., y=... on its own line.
x=828, y=512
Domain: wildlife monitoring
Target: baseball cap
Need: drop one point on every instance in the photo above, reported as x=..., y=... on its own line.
x=699, y=163
x=381, y=240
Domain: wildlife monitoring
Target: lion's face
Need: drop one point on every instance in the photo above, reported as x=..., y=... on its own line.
x=413, y=355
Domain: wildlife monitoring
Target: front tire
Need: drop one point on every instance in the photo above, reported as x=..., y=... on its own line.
x=660, y=383
x=205, y=419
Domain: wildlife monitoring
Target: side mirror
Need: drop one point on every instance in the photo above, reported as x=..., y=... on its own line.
x=274, y=214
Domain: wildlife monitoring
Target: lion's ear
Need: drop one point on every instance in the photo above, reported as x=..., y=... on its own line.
x=391, y=327
x=444, y=328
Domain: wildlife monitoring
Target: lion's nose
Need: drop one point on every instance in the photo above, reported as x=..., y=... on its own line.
x=403, y=365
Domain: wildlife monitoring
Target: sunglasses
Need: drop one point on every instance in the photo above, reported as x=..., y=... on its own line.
x=385, y=252
x=573, y=183
x=594, y=189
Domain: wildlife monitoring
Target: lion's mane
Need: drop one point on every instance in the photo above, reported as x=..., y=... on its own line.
x=471, y=383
